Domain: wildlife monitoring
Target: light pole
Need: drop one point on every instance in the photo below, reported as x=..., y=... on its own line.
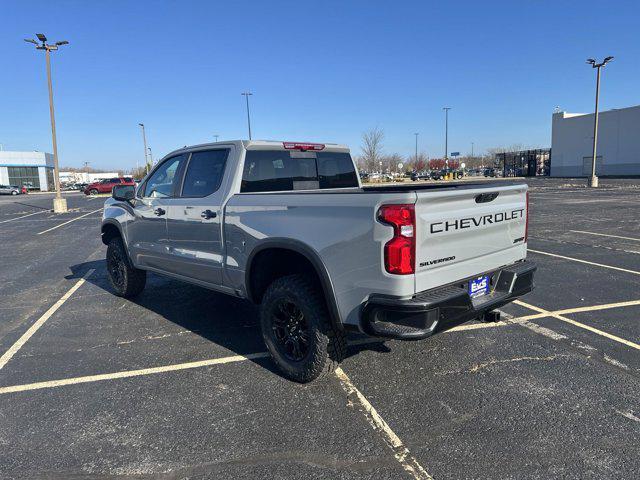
x=150, y=157
x=216, y=136
x=246, y=96
x=593, y=181
x=144, y=139
x=446, y=133
x=59, y=203
x=472, y=149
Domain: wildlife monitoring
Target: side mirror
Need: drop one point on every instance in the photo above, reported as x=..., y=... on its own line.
x=123, y=193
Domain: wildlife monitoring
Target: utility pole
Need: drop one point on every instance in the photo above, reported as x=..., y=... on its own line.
x=150, y=157
x=472, y=150
x=59, y=203
x=246, y=96
x=144, y=139
x=216, y=137
x=416, y=134
x=593, y=181
x=446, y=134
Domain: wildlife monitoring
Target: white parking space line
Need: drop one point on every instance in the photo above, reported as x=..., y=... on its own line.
x=131, y=373
x=631, y=303
x=38, y=323
x=597, y=331
x=69, y=221
x=184, y=366
x=24, y=216
x=400, y=451
x=635, y=272
x=606, y=235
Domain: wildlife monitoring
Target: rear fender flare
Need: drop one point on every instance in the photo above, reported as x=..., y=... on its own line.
x=315, y=260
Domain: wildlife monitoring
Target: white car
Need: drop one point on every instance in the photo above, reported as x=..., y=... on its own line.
x=9, y=190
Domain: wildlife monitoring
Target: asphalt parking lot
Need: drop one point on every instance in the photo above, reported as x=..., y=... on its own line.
x=176, y=384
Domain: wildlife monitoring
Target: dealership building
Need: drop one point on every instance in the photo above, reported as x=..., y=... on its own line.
x=33, y=170
x=618, y=143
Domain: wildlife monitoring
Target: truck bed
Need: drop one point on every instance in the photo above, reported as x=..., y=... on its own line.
x=442, y=185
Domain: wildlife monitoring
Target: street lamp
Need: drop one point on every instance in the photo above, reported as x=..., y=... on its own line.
x=472, y=144
x=593, y=181
x=150, y=157
x=246, y=96
x=446, y=132
x=59, y=203
x=216, y=136
x=416, y=134
x=144, y=139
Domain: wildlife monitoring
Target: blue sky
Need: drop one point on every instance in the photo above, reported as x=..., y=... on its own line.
x=319, y=71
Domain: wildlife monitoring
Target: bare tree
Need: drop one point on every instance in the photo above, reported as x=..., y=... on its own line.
x=372, y=148
x=390, y=162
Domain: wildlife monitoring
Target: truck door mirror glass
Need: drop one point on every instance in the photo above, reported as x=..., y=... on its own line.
x=123, y=193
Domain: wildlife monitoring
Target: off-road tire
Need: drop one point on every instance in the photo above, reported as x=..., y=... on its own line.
x=327, y=344
x=125, y=280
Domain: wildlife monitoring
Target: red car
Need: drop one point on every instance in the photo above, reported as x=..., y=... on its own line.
x=106, y=185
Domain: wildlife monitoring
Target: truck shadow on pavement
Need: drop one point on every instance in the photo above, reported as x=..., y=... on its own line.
x=229, y=322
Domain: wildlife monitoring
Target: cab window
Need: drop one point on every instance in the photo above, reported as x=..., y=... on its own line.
x=284, y=170
x=162, y=182
x=204, y=173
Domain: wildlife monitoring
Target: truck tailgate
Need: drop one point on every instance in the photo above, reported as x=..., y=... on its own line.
x=461, y=233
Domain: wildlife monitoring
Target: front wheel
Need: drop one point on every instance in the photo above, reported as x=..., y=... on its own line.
x=126, y=280
x=93, y=191
x=297, y=329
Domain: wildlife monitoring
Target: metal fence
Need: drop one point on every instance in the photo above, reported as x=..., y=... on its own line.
x=526, y=163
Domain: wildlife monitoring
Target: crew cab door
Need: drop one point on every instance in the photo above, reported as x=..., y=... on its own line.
x=194, y=218
x=147, y=234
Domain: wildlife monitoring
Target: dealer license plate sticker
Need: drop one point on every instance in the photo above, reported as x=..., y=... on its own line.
x=479, y=286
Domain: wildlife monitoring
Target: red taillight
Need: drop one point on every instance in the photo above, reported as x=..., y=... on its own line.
x=400, y=251
x=303, y=146
x=526, y=225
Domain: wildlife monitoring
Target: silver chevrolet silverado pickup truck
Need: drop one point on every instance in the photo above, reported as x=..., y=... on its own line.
x=289, y=226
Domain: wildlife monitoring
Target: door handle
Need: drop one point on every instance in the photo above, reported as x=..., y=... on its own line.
x=207, y=214
x=159, y=212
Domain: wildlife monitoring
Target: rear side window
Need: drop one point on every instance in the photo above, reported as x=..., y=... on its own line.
x=204, y=173
x=284, y=170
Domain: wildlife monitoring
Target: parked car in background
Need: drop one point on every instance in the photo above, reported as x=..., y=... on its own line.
x=489, y=172
x=106, y=185
x=9, y=190
x=24, y=190
x=415, y=176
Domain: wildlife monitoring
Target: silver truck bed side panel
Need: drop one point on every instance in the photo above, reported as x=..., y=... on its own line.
x=339, y=227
